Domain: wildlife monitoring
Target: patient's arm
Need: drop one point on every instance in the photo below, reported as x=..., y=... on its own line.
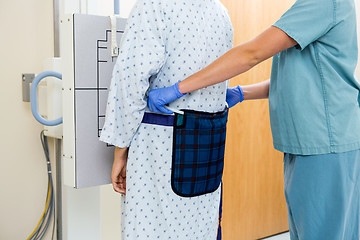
x=118, y=174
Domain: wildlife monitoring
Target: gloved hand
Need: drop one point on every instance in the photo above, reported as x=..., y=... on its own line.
x=234, y=95
x=161, y=96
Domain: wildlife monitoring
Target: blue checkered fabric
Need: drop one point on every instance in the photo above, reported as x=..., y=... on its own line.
x=198, y=152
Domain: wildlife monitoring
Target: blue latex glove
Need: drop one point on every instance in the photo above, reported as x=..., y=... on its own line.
x=234, y=95
x=161, y=96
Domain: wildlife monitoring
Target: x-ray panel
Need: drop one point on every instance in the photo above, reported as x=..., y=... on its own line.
x=93, y=66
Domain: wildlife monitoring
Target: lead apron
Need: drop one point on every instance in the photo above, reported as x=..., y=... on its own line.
x=198, y=150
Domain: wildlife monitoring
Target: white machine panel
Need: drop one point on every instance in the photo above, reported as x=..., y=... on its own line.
x=87, y=161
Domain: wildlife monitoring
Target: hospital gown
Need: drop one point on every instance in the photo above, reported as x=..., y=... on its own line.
x=165, y=41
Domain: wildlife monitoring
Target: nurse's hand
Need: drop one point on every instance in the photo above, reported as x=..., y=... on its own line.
x=118, y=173
x=161, y=96
x=234, y=95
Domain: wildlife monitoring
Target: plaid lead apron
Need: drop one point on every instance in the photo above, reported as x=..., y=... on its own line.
x=198, y=150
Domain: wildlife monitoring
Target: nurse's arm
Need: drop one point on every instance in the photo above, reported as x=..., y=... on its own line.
x=239, y=59
x=257, y=90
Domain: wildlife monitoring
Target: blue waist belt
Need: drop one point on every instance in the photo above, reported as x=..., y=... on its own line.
x=158, y=119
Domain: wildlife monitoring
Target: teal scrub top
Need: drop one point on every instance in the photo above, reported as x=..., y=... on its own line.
x=314, y=95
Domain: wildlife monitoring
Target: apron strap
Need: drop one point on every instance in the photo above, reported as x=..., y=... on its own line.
x=158, y=119
x=220, y=213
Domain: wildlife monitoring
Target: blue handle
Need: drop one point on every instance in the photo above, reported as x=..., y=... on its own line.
x=116, y=7
x=33, y=97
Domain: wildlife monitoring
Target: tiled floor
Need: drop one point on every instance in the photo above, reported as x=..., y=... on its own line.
x=284, y=236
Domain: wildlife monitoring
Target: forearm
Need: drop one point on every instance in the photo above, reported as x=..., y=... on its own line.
x=120, y=153
x=256, y=91
x=239, y=59
x=118, y=173
x=232, y=63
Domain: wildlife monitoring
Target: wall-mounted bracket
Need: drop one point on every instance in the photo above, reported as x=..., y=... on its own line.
x=26, y=79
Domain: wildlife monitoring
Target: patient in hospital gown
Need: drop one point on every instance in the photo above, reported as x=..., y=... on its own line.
x=165, y=41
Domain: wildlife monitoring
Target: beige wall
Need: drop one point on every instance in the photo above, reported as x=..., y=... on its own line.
x=26, y=40
x=125, y=7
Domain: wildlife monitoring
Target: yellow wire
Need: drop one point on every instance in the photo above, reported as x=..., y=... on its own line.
x=47, y=203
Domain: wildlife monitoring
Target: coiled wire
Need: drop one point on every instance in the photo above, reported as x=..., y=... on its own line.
x=49, y=211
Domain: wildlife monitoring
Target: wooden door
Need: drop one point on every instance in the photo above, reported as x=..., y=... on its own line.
x=254, y=204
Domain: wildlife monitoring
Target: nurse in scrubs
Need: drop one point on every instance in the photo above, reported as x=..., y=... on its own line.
x=314, y=111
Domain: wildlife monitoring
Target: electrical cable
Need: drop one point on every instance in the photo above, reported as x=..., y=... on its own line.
x=43, y=218
x=50, y=206
x=53, y=229
x=49, y=211
x=40, y=221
